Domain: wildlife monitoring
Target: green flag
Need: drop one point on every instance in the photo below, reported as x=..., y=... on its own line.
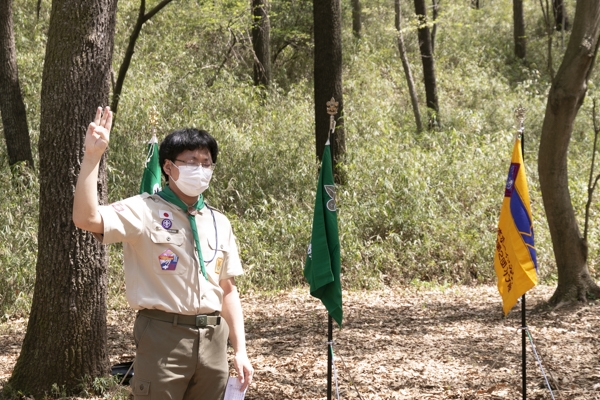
x=151, y=178
x=322, y=268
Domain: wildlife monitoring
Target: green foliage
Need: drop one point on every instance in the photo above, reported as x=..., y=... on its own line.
x=417, y=208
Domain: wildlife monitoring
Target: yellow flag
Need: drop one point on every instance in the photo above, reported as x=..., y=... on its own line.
x=515, y=259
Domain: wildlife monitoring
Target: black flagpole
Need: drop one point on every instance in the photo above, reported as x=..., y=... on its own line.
x=523, y=347
x=329, y=357
x=521, y=117
x=331, y=110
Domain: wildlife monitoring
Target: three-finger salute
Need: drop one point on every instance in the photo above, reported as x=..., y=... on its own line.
x=98, y=133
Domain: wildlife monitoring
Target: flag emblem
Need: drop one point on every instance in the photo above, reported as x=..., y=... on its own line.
x=165, y=214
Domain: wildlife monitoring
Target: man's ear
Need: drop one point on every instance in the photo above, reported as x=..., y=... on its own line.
x=167, y=167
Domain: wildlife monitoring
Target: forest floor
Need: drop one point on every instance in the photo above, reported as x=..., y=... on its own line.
x=401, y=343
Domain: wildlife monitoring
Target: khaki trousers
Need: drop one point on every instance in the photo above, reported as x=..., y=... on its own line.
x=179, y=362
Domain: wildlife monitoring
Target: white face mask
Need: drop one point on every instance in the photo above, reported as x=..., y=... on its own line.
x=193, y=180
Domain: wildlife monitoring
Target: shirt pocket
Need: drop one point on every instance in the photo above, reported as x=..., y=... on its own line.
x=170, y=256
x=217, y=255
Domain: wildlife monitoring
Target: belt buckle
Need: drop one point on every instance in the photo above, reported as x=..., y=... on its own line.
x=201, y=321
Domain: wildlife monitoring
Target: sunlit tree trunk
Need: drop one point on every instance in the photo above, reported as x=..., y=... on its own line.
x=261, y=36
x=66, y=334
x=435, y=11
x=12, y=108
x=328, y=74
x=428, y=65
x=564, y=100
x=519, y=29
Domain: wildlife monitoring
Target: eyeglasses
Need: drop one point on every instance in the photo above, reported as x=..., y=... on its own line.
x=210, y=166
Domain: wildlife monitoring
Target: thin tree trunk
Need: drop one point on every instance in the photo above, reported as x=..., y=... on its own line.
x=561, y=19
x=564, y=100
x=328, y=76
x=407, y=72
x=261, y=37
x=435, y=11
x=65, y=343
x=428, y=65
x=356, y=18
x=141, y=20
x=12, y=108
x=519, y=29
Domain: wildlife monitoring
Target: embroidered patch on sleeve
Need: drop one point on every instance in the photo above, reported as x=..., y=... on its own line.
x=118, y=206
x=168, y=260
x=219, y=265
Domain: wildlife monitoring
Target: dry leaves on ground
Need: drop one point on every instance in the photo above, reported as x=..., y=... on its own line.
x=403, y=343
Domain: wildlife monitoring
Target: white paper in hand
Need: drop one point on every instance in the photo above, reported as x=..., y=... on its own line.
x=234, y=389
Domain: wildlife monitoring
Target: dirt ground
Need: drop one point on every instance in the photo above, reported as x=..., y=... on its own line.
x=403, y=343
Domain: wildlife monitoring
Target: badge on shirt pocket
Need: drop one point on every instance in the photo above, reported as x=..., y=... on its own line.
x=168, y=260
x=219, y=265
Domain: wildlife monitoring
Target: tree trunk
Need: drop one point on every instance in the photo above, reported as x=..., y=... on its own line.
x=428, y=64
x=356, y=18
x=435, y=11
x=561, y=19
x=409, y=78
x=66, y=338
x=261, y=37
x=564, y=100
x=519, y=29
x=328, y=76
x=12, y=108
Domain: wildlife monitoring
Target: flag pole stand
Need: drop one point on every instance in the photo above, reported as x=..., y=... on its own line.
x=329, y=355
x=523, y=348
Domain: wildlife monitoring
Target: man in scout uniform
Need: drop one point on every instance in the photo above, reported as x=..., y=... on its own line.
x=187, y=299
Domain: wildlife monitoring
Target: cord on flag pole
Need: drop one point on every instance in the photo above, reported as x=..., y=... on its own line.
x=525, y=330
x=337, y=391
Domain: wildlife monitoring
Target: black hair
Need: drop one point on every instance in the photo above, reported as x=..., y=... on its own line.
x=180, y=140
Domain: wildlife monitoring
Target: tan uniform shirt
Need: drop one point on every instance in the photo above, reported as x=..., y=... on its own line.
x=162, y=270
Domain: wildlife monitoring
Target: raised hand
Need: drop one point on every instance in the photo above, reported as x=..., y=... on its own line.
x=98, y=133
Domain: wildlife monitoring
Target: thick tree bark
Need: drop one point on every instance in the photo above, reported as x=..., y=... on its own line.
x=428, y=64
x=328, y=75
x=135, y=34
x=356, y=18
x=261, y=38
x=12, y=108
x=407, y=72
x=519, y=29
x=66, y=334
x=564, y=100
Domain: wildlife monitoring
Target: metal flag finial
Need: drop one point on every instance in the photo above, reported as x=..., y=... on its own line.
x=332, y=108
x=520, y=117
x=153, y=116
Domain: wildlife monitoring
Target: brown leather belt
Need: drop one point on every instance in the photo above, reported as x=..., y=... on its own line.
x=200, y=321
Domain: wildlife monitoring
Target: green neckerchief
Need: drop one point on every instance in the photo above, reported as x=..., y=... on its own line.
x=171, y=197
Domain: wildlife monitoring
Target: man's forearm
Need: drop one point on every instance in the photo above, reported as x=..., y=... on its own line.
x=232, y=312
x=85, y=199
